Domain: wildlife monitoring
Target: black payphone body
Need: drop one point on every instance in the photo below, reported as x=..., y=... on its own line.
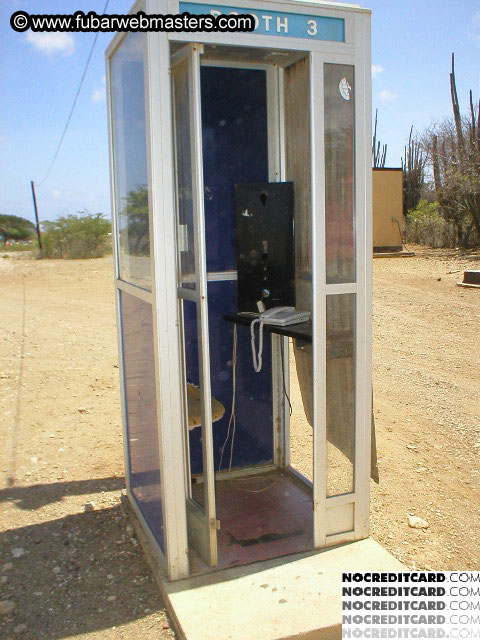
x=265, y=245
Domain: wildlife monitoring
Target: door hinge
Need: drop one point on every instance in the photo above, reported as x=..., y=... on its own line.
x=214, y=523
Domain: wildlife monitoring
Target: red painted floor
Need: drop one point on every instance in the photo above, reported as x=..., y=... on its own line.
x=261, y=517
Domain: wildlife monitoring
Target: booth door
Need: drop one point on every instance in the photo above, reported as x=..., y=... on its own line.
x=192, y=298
x=341, y=339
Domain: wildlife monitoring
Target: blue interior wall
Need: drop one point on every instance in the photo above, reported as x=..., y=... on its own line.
x=235, y=150
x=234, y=128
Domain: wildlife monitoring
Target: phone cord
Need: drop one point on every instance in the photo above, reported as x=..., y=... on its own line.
x=257, y=365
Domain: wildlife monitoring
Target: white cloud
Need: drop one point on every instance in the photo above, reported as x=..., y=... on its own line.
x=52, y=43
x=387, y=96
x=377, y=69
x=99, y=95
x=56, y=194
x=474, y=29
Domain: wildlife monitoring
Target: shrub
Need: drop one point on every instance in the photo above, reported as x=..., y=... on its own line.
x=76, y=236
x=426, y=225
x=16, y=247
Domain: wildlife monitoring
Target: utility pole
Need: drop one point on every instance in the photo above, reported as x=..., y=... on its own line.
x=36, y=216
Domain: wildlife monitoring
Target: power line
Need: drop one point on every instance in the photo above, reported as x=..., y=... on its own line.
x=74, y=101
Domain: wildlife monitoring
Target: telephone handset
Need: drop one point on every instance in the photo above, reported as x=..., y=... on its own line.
x=280, y=316
x=283, y=316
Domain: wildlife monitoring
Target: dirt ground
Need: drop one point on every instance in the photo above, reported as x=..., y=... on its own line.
x=69, y=559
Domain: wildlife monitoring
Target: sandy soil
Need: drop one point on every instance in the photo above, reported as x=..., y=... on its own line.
x=426, y=364
x=69, y=558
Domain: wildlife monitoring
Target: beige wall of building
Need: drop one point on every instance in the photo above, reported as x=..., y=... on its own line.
x=387, y=203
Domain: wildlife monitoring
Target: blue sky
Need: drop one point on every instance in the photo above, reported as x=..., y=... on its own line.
x=412, y=42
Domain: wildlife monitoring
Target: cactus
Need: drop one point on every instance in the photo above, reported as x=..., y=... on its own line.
x=456, y=167
x=378, y=156
x=413, y=165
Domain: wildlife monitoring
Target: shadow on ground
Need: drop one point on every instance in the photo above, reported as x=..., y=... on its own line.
x=38, y=495
x=78, y=574
x=448, y=253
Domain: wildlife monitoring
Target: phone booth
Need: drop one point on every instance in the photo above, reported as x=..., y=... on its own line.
x=241, y=190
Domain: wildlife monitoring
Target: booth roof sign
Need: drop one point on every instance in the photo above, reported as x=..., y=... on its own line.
x=278, y=23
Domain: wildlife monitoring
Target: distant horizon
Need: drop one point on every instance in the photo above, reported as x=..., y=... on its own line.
x=412, y=43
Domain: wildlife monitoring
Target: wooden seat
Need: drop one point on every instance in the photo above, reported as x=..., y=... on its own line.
x=195, y=411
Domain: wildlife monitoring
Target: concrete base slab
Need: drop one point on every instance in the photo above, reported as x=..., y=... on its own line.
x=394, y=254
x=297, y=597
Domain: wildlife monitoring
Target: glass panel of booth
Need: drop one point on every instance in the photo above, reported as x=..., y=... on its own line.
x=340, y=393
x=192, y=399
x=141, y=410
x=340, y=229
x=184, y=184
x=339, y=119
x=300, y=420
x=130, y=161
x=198, y=405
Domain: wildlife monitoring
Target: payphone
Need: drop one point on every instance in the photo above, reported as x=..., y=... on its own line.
x=265, y=245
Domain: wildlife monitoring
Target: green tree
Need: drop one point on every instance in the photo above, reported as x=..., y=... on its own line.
x=134, y=230
x=83, y=235
x=15, y=228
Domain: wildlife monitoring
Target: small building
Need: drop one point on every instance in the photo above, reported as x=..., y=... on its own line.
x=387, y=209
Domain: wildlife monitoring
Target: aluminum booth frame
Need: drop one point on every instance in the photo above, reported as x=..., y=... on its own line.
x=156, y=289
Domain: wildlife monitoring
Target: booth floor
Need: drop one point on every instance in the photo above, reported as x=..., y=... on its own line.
x=261, y=517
